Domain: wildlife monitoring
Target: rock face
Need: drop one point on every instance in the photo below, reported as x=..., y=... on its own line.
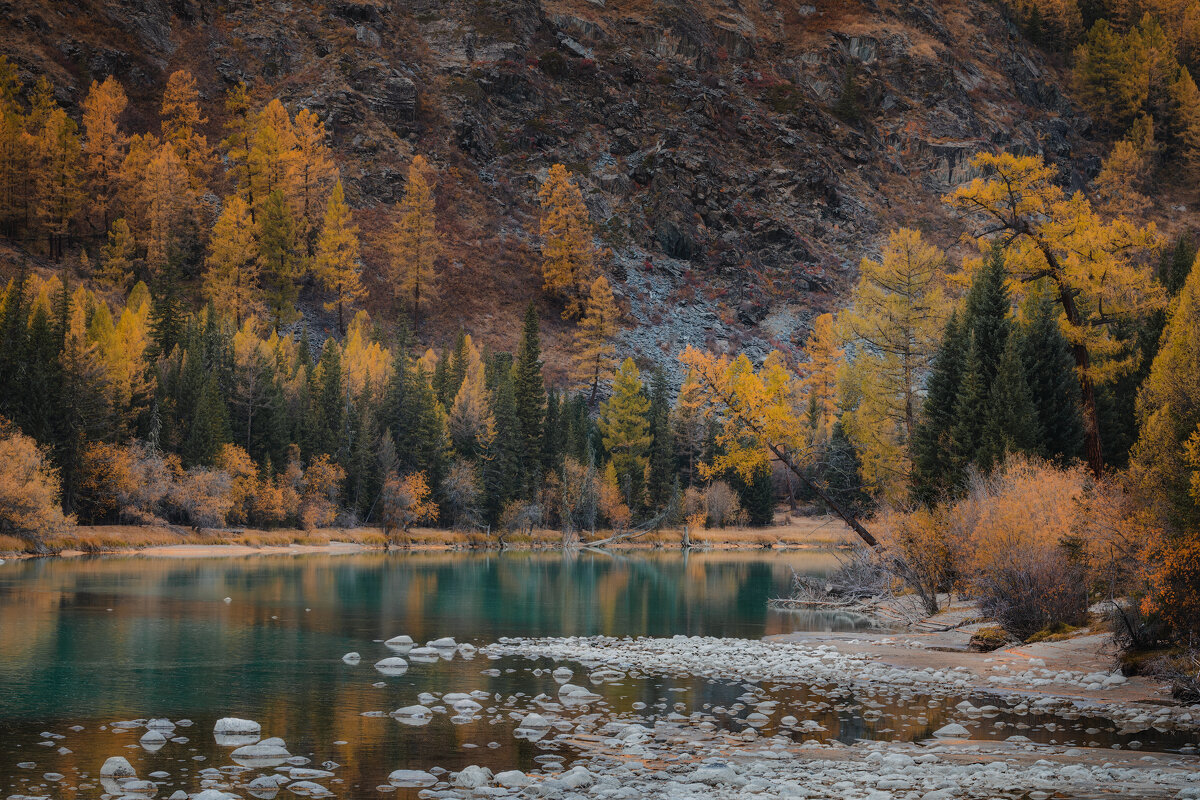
x=738, y=159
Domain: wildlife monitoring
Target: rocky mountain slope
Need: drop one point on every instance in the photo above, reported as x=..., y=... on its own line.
x=738, y=158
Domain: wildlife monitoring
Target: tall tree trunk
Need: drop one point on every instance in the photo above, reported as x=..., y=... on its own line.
x=847, y=516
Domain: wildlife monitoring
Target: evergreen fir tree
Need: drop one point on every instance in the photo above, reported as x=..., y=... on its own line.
x=166, y=311
x=529, y=390
x=842, y=472
x=987, y=313
x=502, y=467
x=932, y=474
x=757, y=496
x=625, y=431
x=1012, y=424
x=1053, y=387
x=553, y=434
x=971, y=408
x=661, y=468
x=209, y=427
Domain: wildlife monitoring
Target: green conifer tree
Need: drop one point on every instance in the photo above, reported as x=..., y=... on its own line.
x=661, y=472
x=1012, y=424
x=529, y=390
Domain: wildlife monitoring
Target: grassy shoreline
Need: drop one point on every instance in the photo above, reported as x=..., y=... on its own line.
x=811, y=532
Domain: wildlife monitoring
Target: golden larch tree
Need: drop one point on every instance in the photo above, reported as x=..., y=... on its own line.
x=181, y=121
x=892, y=329
x=239, y=140
x=593, y=351
x=568, y=252
x=59, y=178
x=820, y=380
x=117, y=255
x=414, y=246
x=104, y=144
x=272, y=154
x=231, y=279
x=1098, y=268
x=336, y=264
x=311, y=176
x=470, y=422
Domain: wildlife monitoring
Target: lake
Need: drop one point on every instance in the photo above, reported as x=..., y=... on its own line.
x=89, y=642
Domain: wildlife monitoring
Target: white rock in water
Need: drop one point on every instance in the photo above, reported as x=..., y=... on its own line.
x=425, y=655
x=153, y=737
x=445, y=643
x=562, y=674
x=352, y=658
x=513, y=779
x=267, y=753
x=117, y=767
x=466, y=706
x=473, y=777
x=160, y=725
x=309, y=789
x=227, y=600
x=266, y=783
x=413, y=715
x=182, y=795
x=534, y=721
x=400, y=641
x=411, y=778
x=139, y=788
x=577, y=778
x=392, y=666
x=236, y=726
x=952, y=731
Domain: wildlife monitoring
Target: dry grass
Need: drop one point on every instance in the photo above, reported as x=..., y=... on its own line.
x=787, y=534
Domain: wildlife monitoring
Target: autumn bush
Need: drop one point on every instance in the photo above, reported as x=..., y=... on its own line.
x=919, y=552
x=406, y=501
x=29, y=488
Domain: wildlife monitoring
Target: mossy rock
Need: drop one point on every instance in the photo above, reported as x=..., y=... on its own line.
x=1053, y=633
x=985, y=640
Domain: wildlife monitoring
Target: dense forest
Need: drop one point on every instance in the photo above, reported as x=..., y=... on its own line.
x=1022, y=420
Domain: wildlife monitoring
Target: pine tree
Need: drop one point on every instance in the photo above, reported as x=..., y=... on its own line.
x=625, y=431
x=336, y=264
x=414, y=245
x=1012, y=421
x=470, y=421
x=166, y=312
x=660, y=473
x=529, y=392
x=986, y=315
x=104, y=144
x=502, y=458
x=757, y=496
x=209, y=427
x=416, y=419
x=593, y=353
x=231, y=280
x=1050, y=376
x=933, y=473
x=278, y=264
x=568, y=253
x=1176, y=263
x=553, y=434
x=329, y=401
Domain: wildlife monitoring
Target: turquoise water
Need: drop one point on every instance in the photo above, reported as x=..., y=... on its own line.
x=89, y=642
x=92, y=641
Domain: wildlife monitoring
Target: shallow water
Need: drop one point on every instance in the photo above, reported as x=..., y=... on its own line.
x=89, y=642
x=92, y=641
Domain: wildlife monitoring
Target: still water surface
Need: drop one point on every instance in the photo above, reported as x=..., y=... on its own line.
x=85, y=643
x=92, y=641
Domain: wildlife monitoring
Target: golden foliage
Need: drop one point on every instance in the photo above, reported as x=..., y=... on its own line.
x=231, y=280
x=820, y=380
x=568, y=252
x=414, y=246
x=104, y=143
x=336, y=264
x=29, y=487
x=407, y=501
x=593, y=350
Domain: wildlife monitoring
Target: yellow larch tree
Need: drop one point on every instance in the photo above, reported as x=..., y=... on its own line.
x=239, y=141
x=117, y=254
x=892, y=329
x=311, y=176
x=756, y=414
x=820, y=380
x=272, y=153
x=181, y=121
x=336, y=264
x=1098, y=268
x=470, y=421
x=231, y=279
x=1119, y=184
x=414, y=246
x=593, y=351
x=104, y=144
x=170, y=205
x=568, y=252
x=59, y=178
x=366, y=364
x=690, y=426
